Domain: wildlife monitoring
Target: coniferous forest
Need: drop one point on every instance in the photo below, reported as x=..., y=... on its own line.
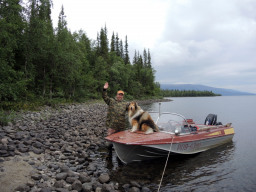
x=187, y=93
x=42, y=64
x=38, y=61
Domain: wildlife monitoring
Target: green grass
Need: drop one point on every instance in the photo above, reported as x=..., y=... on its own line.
x=6, y=117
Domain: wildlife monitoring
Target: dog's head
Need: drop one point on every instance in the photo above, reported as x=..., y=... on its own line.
x=133, y=106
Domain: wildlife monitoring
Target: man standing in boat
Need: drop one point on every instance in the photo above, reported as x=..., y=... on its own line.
x=117, y=108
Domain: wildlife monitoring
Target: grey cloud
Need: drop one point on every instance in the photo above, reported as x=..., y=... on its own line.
x=208, y=42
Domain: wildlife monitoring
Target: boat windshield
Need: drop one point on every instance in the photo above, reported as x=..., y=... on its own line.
x=171, y=122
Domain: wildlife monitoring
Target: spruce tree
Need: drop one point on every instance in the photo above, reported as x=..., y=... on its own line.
x=126, y=52
x=37, y=62
x=117, y=45
x=45, y=64
x=63, y=58
x=12, y=83
x=145, y=57
x=149, y=59
x=39, y=50
x=121, y=49
x=112, y=43
x=134, y=61
x=103, y=43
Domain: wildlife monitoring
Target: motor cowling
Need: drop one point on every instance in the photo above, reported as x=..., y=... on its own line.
x=211, y=119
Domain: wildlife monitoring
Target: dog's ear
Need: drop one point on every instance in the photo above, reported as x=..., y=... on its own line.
x=136, y=105
x=127, y=106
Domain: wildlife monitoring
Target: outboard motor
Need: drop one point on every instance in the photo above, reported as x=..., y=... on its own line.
x=211, y=119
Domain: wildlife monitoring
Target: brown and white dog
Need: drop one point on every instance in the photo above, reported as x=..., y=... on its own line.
x=140, y=120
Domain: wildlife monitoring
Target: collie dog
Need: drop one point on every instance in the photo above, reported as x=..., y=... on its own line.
x=140, y=120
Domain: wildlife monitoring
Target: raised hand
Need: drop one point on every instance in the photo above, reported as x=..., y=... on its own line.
x=106, y=85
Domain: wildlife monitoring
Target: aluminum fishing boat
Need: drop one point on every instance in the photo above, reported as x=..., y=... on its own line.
x=177, y=135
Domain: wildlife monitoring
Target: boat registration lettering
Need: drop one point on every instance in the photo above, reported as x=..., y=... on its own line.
x=189, y=146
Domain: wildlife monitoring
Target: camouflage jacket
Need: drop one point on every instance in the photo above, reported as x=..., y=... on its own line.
x=116, y=112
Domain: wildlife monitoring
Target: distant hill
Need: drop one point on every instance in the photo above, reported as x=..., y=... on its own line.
x=224, y=92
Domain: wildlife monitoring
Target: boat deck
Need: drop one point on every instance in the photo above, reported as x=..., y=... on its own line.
x=163, y=137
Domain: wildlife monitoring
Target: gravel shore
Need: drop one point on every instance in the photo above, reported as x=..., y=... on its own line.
x=57, y=149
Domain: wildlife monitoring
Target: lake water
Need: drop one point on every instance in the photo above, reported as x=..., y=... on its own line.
x=230, y=167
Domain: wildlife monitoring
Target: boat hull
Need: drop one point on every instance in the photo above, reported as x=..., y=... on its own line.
x=128, y=153
x=139, y=146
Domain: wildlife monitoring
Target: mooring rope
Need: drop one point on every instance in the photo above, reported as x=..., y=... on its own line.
x=165, y=166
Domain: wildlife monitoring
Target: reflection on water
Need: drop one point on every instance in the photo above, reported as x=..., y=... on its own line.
x=205, y=169
x=182, y=173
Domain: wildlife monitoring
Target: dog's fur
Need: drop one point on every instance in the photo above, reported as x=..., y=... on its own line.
x=140, y=120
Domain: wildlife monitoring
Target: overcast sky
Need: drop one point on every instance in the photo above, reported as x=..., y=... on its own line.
x=208, y=42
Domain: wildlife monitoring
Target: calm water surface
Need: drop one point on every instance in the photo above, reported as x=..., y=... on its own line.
x=230, y=167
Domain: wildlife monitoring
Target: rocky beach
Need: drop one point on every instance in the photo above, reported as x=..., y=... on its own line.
x=59, y=149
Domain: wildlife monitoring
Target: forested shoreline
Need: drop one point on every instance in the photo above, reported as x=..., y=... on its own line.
x=187, y=93
x=39, y=61
x=40, y=64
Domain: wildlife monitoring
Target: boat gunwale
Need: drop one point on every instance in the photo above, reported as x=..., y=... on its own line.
x=173, y=136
